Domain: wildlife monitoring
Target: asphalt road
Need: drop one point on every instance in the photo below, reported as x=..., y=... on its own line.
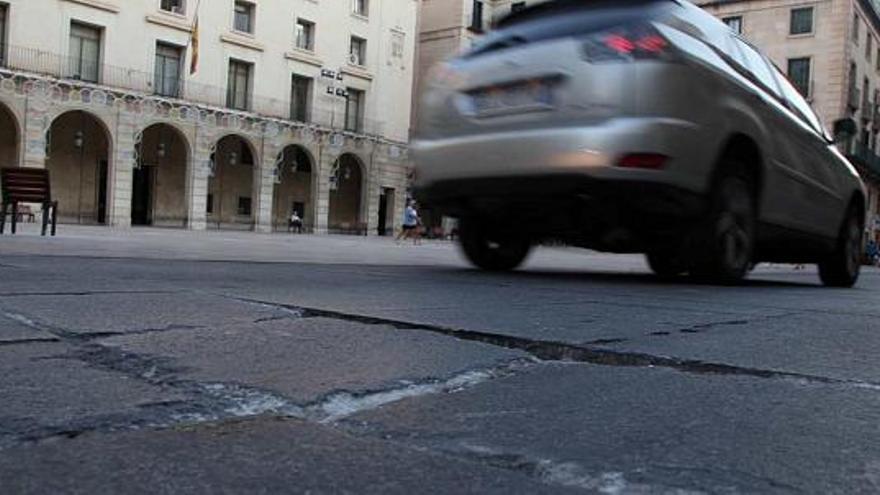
x=167, y=362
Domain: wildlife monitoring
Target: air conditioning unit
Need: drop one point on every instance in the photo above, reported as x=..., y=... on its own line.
x=354, y=59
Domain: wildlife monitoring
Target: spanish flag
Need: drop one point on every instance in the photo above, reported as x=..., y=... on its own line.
x=194, y=41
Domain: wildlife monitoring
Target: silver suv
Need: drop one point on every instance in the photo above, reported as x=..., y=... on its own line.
x=635, y=126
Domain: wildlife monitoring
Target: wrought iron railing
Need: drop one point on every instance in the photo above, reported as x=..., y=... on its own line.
x=78, y=72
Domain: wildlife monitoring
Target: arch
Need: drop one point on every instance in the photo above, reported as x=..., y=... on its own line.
x=10, y=137
x=159, y=178
x=347, y=195
x=231, y=191
x=296, y=180
x=79, y=151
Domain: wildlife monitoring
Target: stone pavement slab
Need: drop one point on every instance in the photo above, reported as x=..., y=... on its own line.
x=46, y=389
x=305, y=359
x=122, y=312
x=652, y=430
x=843, y=348
x=262, y=456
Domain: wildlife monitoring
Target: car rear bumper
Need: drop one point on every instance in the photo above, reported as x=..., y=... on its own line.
x=586, y=151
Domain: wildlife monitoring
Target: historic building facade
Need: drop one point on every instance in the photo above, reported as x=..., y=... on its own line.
x=290, y=105
x=830, y=49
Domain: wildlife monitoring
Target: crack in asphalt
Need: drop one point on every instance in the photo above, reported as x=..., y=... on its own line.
x=553, y=351
x=35, y=340
x=87, y=293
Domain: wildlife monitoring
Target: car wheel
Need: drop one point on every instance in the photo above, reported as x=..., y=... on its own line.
x=666, y=265
x=841, y=267
x=728, y=237
x=492, y=251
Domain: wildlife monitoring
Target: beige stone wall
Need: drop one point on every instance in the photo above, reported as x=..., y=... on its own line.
x=74, y=172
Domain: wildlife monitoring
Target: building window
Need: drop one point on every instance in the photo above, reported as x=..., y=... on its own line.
x=300, y=95
x=244, y=17
x=354, y=110
x=2, y=35
x=477, y=17
x=869, y=47
x=855, y=28
x=239, y=85
x=801, y=21
x=878, y=58
x=244, y=206
x=305, y=35
x=167, y=72
x=84, y=52
x=735, y=23
x=360, y=7
x=358, y=51
x=799, y=74
x=175, y=6
x=517, y=6
x=209, y=206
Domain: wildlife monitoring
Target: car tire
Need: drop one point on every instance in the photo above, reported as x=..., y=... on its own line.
x=666, y=265
x=726, y=242
x=841, y=267
x=492, y=251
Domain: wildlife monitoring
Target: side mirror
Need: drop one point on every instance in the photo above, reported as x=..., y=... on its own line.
x=845, y=129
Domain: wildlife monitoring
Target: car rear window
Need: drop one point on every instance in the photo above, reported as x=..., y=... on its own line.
x=566, y=18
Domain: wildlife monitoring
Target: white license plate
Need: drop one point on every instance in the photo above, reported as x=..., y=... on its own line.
x=530, y=96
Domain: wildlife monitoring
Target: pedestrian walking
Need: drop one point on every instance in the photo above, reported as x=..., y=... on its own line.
x=411, y=222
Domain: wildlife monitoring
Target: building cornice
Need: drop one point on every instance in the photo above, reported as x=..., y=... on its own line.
x=98, y=4
x=242, y=41
x=171, y=22
x=304, y=57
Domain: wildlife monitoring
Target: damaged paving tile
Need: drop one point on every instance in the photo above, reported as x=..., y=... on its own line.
x=649, y=430
x=258, y=456
x=303, y=359
x=46, y=390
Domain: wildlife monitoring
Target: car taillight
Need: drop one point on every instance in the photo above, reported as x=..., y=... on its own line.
x=626, y=43
x=647, y=161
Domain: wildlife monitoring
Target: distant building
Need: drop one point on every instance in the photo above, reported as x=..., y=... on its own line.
x=830, y=49
x=291, y=105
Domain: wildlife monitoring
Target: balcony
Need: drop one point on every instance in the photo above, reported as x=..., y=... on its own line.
x=182, y=92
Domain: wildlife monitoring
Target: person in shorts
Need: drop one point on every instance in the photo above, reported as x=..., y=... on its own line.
x=411, y=223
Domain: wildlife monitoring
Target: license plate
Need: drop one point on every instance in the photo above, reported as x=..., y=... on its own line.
x=522, y=97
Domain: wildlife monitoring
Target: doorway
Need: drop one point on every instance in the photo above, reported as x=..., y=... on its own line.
x=141, y=199
x=386, y=212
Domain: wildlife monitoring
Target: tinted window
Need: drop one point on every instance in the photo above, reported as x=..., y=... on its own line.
x=758, y=67
x=801, y=21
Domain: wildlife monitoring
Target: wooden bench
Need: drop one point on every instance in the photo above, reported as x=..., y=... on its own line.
x=26, y=185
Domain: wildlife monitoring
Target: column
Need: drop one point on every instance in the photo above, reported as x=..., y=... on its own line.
x=264, y=189
x=121, y=171
x=322, y=192
x=197, y=181
x=33, y=137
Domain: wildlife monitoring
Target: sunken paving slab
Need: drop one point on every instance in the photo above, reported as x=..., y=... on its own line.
x=303, y=359
x=263, y=455
x=52, y=388
x=651, y=430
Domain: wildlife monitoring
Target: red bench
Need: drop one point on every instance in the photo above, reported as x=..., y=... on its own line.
x=26, y=185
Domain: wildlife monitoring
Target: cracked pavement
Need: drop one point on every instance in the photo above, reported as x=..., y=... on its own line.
x=175, y=362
